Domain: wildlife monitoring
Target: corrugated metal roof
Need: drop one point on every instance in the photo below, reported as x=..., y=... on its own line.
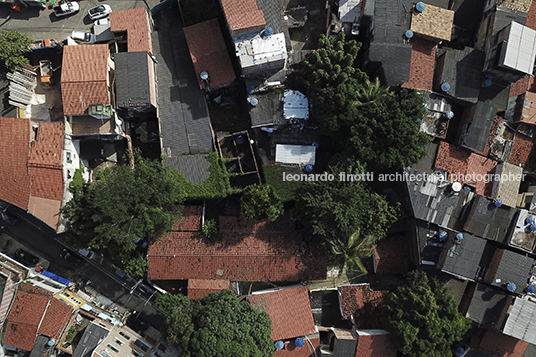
x=520, y=48
x=513, y=268
x=487, y=305
x=477, y=136
x=521, y=322
x=193, y=168
x=295, y=154
x=488, y=221
x=463, y=257
x=391, y=20
x=395, y=59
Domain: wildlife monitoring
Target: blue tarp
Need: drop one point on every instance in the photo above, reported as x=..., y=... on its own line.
x=55, y=277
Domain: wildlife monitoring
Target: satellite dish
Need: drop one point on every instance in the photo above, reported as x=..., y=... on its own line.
x=511, y=287
x=445, y=87
x=420, y=6
x=204, y=76
x=456, y=187
x=408, y=34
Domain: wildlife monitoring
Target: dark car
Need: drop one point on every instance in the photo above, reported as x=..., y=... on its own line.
x=136, y=324
x=70, y=256
x=25, y=258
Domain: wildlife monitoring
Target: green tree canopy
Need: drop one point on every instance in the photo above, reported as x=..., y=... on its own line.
x=124, y=204
x=13, y=46
x=216, y=325
x=261, y=202
x=423, y=317
x=348, y=253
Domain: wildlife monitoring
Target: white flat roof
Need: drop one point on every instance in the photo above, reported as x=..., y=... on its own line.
x=295, y=105
x=253, y=50
x=520, y=48
x=295, y=154
x=350, y=10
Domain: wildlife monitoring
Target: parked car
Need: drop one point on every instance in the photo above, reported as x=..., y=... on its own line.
x=70, y=256
x=83, y=36
x=105, y=21
x=25, y=258
x=67, y=8
x=87, y=253
x=98, y=12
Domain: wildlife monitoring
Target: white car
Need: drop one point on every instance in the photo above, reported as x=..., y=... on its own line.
x=98, y=12
x=67, y=8
x=87, y=253
x=83, y=36
x=105, y=21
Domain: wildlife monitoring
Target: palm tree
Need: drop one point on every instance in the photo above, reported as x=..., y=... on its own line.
x=371, y=92
x=350, y=253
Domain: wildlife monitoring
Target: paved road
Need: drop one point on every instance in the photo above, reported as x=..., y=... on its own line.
x=42, y=23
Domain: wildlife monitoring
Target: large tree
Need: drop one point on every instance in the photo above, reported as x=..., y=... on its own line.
x=349, y=253
x=13, y=46
x=122, y=205
x=261, y=202
x=423, y=317
x=216, y=325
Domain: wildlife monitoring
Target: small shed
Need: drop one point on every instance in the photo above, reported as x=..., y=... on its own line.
x=295, y=154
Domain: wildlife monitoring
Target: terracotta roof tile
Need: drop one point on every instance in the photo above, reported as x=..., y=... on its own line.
x=289, y=310
x=524, y=152
x=198, y=288
x=375, y=344
x=136, y=23
x=305, y=351
x=25, y=316
x=56, y=317
x=500, y=345
x=47, y=149
x=243, y=255
x=47, y=183
x=14, y=152
x=190, y=220
x=84, y=77
x=209, y=53
x=521, y=86
x=243, y=15
x=421, y=72
x=361, y=302
x=462, y=163
x=392, y=256
x=531, y=16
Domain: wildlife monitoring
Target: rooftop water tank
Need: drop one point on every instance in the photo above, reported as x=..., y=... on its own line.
x=443, y=236
x=445, y=87
x=299, y=342
x=420, y=6
x=530, y=289
x=459, y=236
x=254, y=101
x=456, y=187
x=408, y=34
x=279, y=345
x=498, y=203
x=204, y=76
x=511, y=287
x=309, y=168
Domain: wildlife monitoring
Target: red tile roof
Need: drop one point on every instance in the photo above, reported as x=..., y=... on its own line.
x=56, y=317
x=14, y=151
x=289, y=310
x=47, y=148
x=392, y=256
x=521, y=86
x=531, y=16
x=198, y=288
x=250, y=251
x=243, y=15
x=421, y=71
x=361, y=302
x=305, y=351
x=524, y=152
x=209, y=53
x=47, y=183
x=466, y=167
x=190, y=220
x=25, y=316
x=136, y=23
x=501, y=345
x=84, y=77
x=375, y=343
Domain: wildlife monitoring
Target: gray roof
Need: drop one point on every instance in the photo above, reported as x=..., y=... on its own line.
x=392, y=20
x=41, y=348
x=530, y=351
x=193, y=168
x=463, y=71
x=93, y=335
x=488, y=221
x=488, y=305
x=395, y=59
x=513, y=268
x=272, y=15
x=132, y=79
x=268, y=112
x=183, y=114
x=521, y=322
x=435, y=202
x=462, y=258
x=504, y=16
x=428, y=245
x=477, y=136
x=426, y=164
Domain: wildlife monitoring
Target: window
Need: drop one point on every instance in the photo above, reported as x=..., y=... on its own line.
x=141, y=345
x=119, y=342
x=124, y=335
x=135, y=353
x=113, y=348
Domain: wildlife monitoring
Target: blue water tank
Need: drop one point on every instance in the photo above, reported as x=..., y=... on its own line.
x=511, y=287
x=254, y=101
x=498, y=203
x=443, y=236
x=533, y=227
x=426, y=106
x=250, y=90
x=240, y=140
x=459, y=236
x=309, y=168
x=204, y=76
x=530, y=289
x=488, y=82
x=420, y=6
x=445, y=87
x=459, y=351
x=449, y=114
x=279, y=345
x=316, y=145
x=408, y=34
x=528, y=220
x=268, y=32
x=299, y=342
